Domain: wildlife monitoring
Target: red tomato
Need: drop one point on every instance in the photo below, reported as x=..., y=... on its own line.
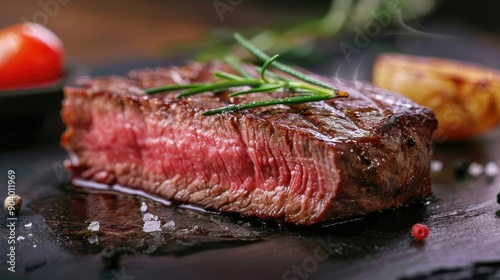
x=30, y=55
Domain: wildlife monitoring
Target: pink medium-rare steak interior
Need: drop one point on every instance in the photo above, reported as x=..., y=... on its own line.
x=304, y=163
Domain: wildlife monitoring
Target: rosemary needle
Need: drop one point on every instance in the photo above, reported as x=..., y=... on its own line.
x=311, y=89
x=280, y=66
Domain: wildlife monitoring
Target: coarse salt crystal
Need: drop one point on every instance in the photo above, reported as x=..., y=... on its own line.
x=170, y=225
x=149, y=217
x=94, y=226
x=93, y=239
x=150, y=226
x=144, y=207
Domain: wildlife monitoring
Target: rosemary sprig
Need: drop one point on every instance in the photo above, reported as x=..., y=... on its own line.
x=310, y=89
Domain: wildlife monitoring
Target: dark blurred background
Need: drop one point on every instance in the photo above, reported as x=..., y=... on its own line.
x=100, y=33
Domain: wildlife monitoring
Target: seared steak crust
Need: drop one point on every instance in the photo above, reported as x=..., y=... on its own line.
x=304, y=163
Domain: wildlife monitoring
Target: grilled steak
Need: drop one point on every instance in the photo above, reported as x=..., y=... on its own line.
x=304, y=163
